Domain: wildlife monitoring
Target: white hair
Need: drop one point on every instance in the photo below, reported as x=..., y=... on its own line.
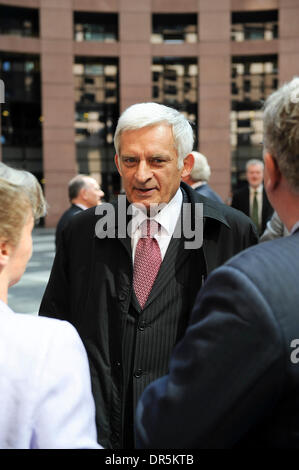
x=281, y=130
x=142, y=115
x=254, y=161
x=201, y=169
x=28, y=182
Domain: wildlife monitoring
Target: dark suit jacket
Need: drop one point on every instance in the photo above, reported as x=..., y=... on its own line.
x=64, y=220
x=206, y=190
x=234, y=378
x=240, y=201
x=91, y=286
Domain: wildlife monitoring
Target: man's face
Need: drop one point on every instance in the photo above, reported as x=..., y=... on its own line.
x=255, y=175
x=148, y=164
x=92, y=193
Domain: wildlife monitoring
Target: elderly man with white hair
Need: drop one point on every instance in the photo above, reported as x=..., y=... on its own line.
x=233, y=379
x=199, y=177
x=129, y=292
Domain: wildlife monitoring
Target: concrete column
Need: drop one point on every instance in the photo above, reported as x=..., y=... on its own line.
x=289, y=40
x=135, y=52
x=214, y=91
x=58, y=101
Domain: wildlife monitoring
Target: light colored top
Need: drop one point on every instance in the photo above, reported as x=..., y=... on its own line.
x=45, y=392
x=259, y=196
x=167, y=218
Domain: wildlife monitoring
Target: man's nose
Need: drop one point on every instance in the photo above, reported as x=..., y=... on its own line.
x=143, y=171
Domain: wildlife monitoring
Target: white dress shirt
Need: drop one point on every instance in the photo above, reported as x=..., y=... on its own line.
x=45, y=391
x=167, y=218
x=259, y=195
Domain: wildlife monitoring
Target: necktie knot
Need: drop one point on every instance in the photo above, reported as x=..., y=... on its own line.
x=149, y=228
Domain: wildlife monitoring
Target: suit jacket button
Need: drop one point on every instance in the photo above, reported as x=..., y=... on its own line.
x=138, y=373
x=142, y=325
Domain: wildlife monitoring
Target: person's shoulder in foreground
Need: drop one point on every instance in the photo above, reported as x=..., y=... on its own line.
x=231, y=379
x=46, y=399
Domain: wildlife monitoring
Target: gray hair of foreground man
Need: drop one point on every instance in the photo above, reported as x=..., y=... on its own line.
x=142, y=115
x=281, y=130
x=28, y=182
x=201, y=169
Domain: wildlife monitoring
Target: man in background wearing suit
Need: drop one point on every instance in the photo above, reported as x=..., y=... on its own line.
x=199, y=177
x=252, y=199
x=129, y=292
x=234, y=378
x=84, y=192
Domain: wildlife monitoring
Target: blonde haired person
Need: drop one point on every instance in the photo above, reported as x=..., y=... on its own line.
x=45, y=392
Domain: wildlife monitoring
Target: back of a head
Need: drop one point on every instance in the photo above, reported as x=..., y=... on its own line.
x=75, y=185
x=29, y=184
x=201, y=170
x=281, y=130
x=142, y=115
x=15, y=208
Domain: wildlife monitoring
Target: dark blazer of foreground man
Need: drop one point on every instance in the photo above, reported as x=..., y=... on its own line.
x=233, y=379
x=91, y=285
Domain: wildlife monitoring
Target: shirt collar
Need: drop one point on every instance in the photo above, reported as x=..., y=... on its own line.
x=4, y=308
x=259, y=189
x=82, y=206
x=167, y=217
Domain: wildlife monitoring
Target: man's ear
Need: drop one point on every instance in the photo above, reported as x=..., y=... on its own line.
x=116, y=160
x=188, y=165
x=5, y=252
x=272, y=172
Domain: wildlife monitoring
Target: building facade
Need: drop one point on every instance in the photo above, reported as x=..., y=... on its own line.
x=69, y=67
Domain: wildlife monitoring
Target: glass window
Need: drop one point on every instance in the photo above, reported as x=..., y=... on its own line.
x=174, y=28
x=19, y=21
x=97, y=112
x=252, y=25
x=253, y=79
x=175, y=84
x=102, y=27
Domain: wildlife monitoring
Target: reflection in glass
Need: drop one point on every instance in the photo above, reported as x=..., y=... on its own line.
x=253, y=79
x=175, y=84
x=102, y=27
x=19, y=21
x=253, y=25
x=97, y=111
x=174, y=28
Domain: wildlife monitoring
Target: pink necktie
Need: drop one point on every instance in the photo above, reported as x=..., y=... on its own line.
x=147, y=261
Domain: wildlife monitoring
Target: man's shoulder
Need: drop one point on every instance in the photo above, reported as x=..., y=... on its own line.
x=244, y=190
x=268, y=256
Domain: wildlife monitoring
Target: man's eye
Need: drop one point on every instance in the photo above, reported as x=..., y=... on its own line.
x=158, y=161
x=129, y=160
